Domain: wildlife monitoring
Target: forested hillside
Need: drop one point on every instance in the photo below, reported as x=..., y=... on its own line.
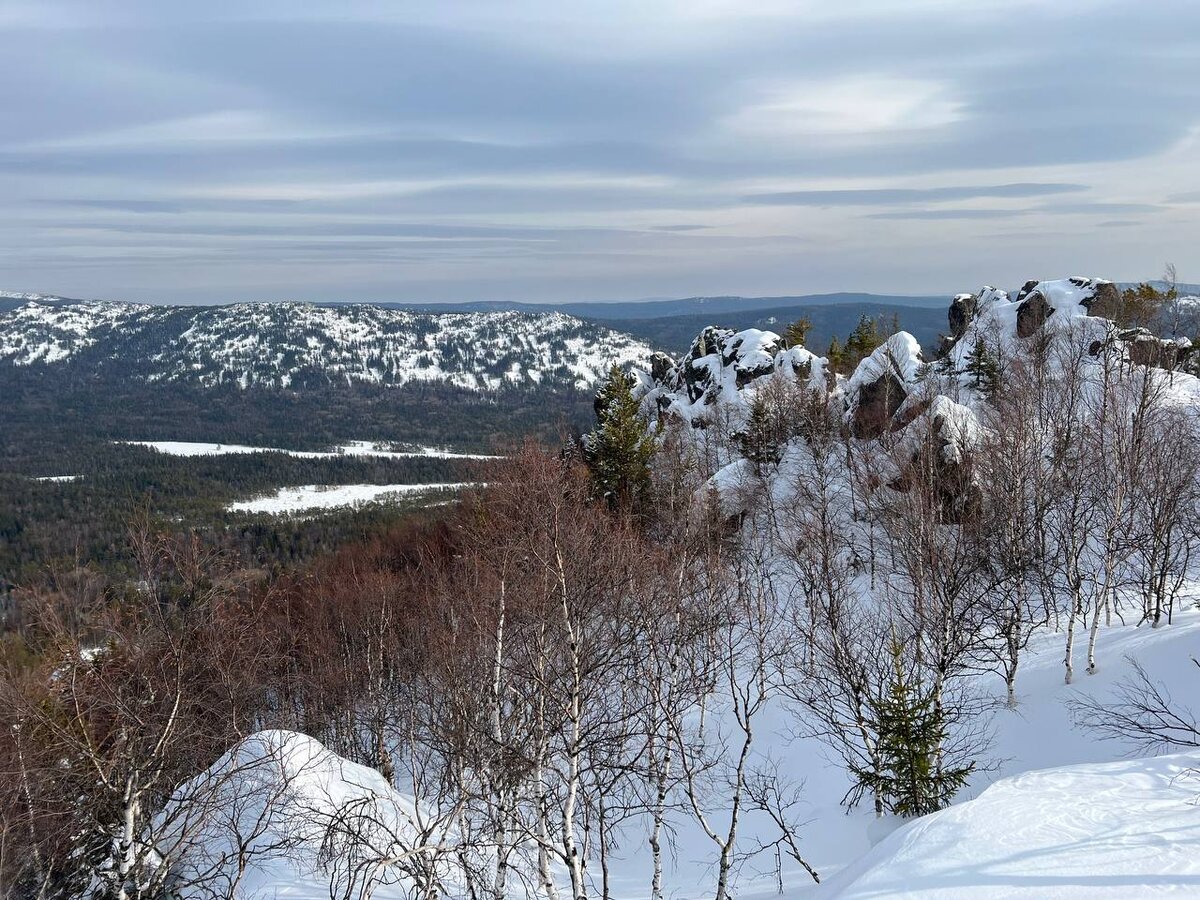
x=296, y=345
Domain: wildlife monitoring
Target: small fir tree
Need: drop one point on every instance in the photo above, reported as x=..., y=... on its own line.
x=835, y=354
x=761, y=441
x=797, y=333
x=618, y=451
x=865, y=337
x=983, y=369
x=911, y=779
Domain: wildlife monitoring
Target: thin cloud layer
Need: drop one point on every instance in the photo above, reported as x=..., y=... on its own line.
x=535, y=150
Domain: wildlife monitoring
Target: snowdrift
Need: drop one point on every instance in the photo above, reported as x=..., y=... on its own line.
x=1122, y=829
x=280, y=814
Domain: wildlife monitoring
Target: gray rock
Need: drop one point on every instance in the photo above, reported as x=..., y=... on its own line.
x=877, y=403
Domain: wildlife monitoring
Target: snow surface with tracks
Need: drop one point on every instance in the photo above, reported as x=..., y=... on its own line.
x=1105, y=830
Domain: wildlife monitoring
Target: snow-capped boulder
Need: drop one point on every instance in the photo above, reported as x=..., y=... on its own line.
x=965, y=308
x=962, y=311
x=956, y=430
x=733, y=488
x=881, y=384
x=661, y=366
x=1143, y=348
x=942, y=440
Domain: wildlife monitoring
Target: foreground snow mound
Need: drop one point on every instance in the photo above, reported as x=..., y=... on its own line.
x=1123, y=829
x=280, y=809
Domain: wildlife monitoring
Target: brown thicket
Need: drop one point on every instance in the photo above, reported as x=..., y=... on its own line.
x=528, y=668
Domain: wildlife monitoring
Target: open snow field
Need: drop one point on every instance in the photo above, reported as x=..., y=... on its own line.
x=322, y=496
x=354, y=448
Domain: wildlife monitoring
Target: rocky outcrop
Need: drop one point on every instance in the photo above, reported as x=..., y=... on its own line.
x=721, y=355
x=965, y=309
x=1039, y=300
x=1032, y=314
x=661, y=366
x=1143, y=348
x=877, y=402
x=962, y=311
x=719, y=366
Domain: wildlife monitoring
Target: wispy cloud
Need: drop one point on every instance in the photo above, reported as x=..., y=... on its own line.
x=538, y=150
x=882, y=196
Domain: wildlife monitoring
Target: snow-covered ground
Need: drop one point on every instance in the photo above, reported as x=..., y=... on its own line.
x=353, y=448
x=1116, y=830
x=323, y=496
x=1060, y=815
x=1039, y=734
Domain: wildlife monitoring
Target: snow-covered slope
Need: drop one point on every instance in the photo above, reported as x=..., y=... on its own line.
x=290, y=345
x=50, y=331
x=1109, y=830
x=1061, y=815
x=900, y=409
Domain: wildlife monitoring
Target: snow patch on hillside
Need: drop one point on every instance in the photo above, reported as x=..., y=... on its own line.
x=323, y=496
x=354, y=448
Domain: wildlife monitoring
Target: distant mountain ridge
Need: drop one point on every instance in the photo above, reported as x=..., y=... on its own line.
x=669, y=324
x=293, y=345
x=717, y=305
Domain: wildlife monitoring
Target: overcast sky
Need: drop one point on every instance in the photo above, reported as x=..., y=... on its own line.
x=561, y=149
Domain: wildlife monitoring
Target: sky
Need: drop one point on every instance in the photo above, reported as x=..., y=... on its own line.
x=553, y=150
